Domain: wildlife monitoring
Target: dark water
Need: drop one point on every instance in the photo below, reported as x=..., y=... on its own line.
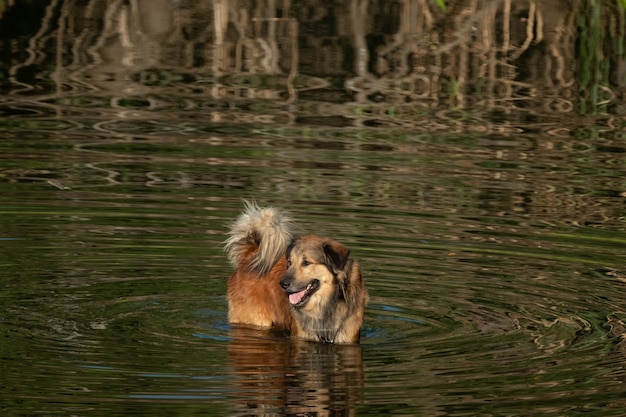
x=486, y=204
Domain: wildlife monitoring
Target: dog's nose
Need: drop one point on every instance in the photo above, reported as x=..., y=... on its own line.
x=285, y=282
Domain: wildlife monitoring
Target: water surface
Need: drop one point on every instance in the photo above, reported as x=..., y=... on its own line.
x=489, y=223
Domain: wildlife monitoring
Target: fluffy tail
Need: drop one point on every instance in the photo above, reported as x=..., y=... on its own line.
x=258, y=238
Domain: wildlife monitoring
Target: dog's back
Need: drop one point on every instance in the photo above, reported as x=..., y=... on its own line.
x=256, y=249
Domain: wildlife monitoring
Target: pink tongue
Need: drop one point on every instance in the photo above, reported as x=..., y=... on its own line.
x=296, y=297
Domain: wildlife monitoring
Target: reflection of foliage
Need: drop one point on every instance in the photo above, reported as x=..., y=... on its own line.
x=442, y=4
x=593, y=69
x=601, y=55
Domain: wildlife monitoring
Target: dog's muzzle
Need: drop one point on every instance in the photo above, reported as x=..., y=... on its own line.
x=298, y=295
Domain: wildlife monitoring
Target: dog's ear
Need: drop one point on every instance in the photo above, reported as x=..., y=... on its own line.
x=290, y=247
x=336, y=255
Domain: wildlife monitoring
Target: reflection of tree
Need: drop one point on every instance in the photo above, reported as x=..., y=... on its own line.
x=405, y=54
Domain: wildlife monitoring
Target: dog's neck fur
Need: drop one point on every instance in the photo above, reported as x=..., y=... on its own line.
x=320, y=329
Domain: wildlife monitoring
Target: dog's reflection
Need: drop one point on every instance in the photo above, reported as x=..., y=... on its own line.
x=274, y=374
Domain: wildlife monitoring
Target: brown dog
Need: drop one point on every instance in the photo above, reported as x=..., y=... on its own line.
x=309, y=285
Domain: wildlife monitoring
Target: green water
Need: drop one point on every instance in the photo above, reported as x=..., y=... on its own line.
x=489, y=223
x=114, y=279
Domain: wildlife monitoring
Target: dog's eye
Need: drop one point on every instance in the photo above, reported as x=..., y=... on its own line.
x=305, y=262
x=288, y=263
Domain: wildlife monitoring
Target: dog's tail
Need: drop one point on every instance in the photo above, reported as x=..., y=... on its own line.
x=258, y=238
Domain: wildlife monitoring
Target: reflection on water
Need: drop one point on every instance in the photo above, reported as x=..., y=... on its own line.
x=294, y=377
x=484, y=65
x=471, y=158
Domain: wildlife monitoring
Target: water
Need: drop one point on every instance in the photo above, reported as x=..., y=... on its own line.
x=491, y=235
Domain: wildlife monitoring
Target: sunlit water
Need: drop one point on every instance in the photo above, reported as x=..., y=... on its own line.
x=492, y=242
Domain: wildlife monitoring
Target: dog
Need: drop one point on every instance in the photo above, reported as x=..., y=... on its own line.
x=308, y=286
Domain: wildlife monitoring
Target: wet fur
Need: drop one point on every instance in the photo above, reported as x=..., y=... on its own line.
x=270, y=264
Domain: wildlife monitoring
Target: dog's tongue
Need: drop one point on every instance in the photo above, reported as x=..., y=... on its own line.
x=296, y=297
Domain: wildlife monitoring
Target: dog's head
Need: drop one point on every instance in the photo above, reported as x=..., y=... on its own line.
x=316, y=272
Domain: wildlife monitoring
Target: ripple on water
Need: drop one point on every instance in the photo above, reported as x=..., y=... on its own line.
x=459, y=320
